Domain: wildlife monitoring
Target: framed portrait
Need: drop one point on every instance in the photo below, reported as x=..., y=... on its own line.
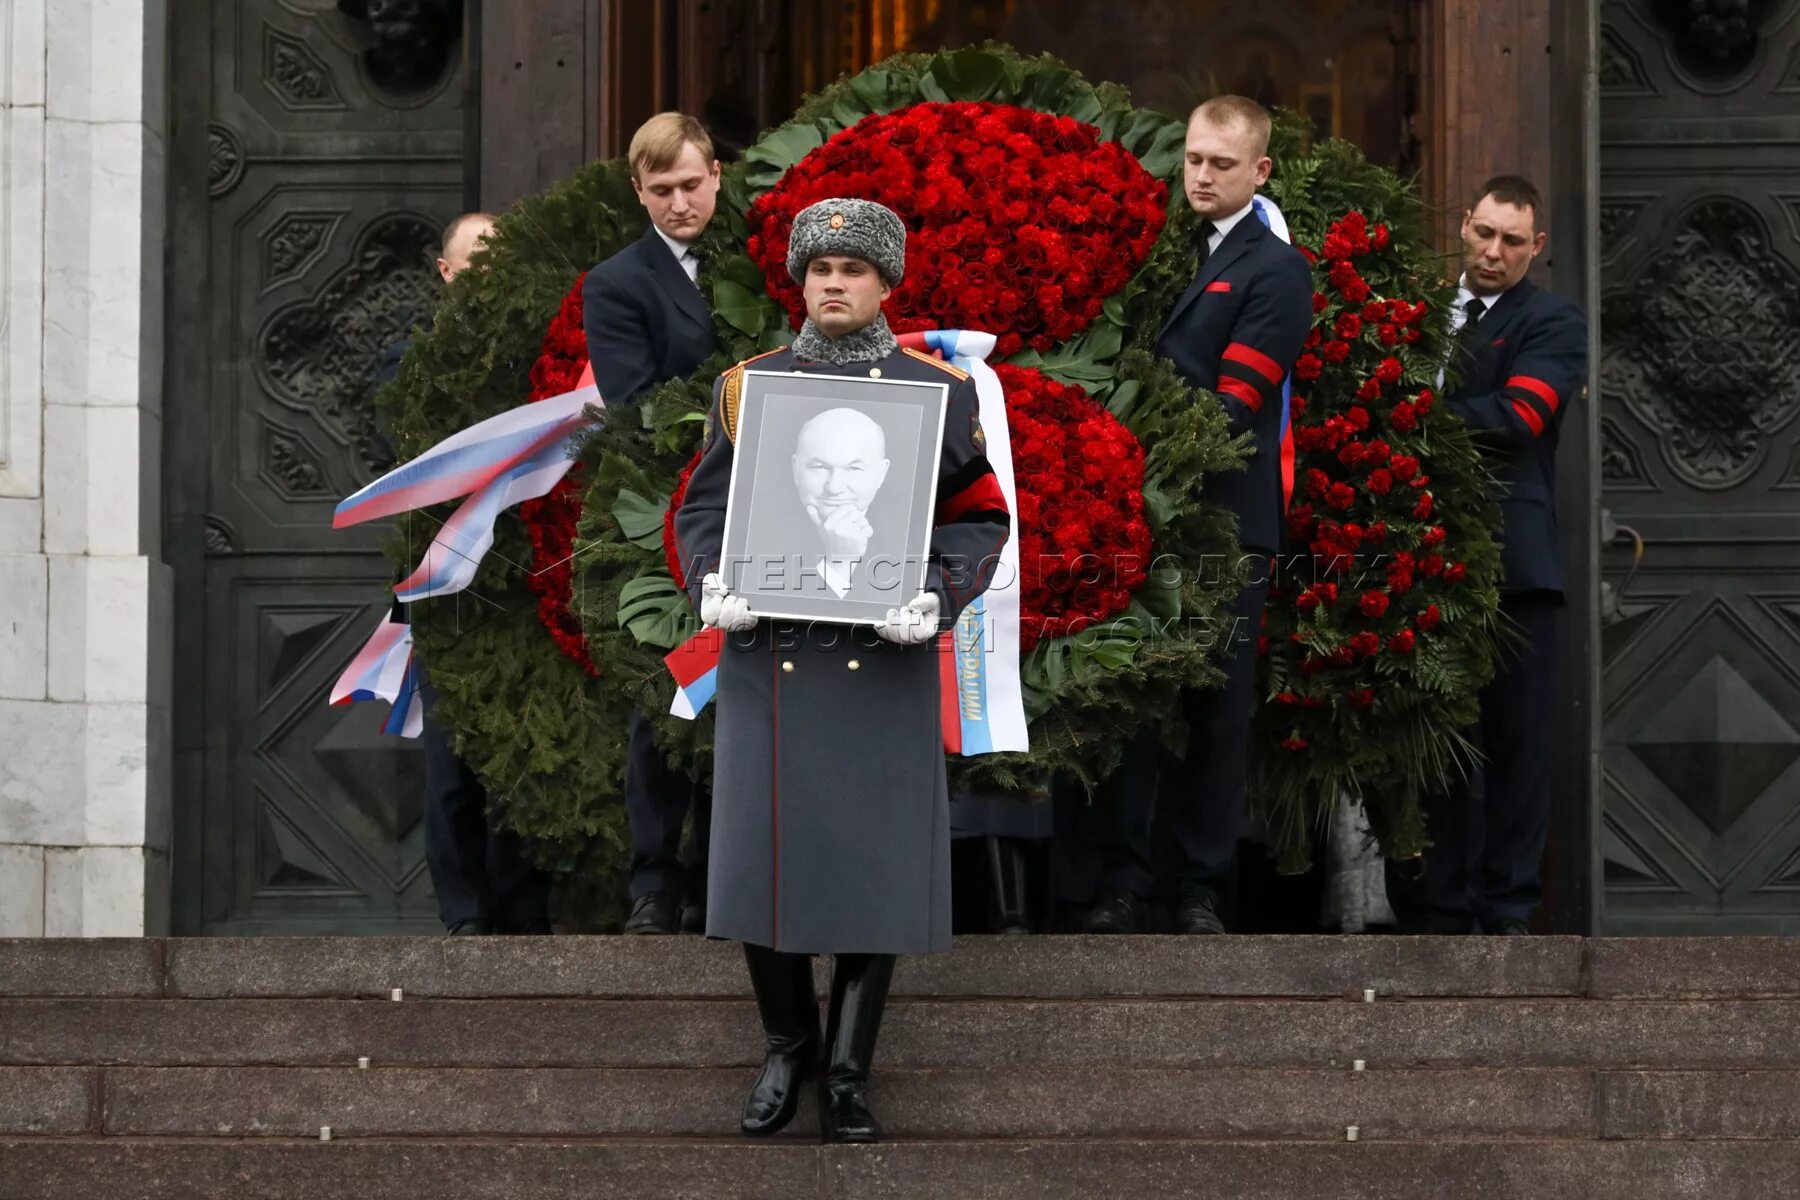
x=833, y=491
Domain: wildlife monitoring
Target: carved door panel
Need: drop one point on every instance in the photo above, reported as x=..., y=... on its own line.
x=303, y=237
x=1700, y=380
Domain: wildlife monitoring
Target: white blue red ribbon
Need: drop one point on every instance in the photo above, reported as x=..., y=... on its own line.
x=990, y=701
x=695, y=667
x=514, y=456
x=384, y=670
x=1277, y=224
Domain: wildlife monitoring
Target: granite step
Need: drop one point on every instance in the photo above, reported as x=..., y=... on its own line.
x=949, y=1104
x=918, y=1033
x=1031, y=967
x=468, y=1169
x=1307, y=1105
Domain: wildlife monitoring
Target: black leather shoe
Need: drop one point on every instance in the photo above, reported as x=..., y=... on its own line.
x=859, y=988
x=1115, y=910
x=1198, y=912
x=1512, y=927
x=693, y=912
x=1007, y=873
x=652, y=912
x=844, y=1116
x=474, y=926
x=790, y=1017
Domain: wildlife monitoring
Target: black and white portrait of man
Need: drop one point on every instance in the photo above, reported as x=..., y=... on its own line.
x=834, y=517
x=840, y=461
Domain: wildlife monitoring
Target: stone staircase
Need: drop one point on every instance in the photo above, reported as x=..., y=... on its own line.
x=1032, y=1067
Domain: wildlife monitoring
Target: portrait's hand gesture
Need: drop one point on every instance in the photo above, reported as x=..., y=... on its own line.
x=845, y=530
x=719, y=609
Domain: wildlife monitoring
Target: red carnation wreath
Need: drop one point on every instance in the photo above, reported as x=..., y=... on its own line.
x=1018, y=222
x=551, y=519
x=984, y=251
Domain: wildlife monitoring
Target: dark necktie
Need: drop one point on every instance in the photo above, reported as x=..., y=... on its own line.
x=1467, y=337
x=1206, y=232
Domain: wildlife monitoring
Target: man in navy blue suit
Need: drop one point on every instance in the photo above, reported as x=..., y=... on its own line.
x=647, y=323
x=1522, y=358
x=1235, y=332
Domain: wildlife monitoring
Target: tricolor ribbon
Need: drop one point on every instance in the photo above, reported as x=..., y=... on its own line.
x=514, y=456
x=1277, y=224
x=983, y=703
x=695, y=667
x=984, y=643
x=384, y=670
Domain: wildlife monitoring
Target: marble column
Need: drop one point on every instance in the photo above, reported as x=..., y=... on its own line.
x=85, y=619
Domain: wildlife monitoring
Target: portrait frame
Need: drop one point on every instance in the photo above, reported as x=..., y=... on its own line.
x=870, y=444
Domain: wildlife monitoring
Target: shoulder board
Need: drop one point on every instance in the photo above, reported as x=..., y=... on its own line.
x=732, y=394
x=935, y=361
x=759, y=357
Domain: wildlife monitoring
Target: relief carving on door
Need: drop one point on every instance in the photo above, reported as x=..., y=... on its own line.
x=331, y=142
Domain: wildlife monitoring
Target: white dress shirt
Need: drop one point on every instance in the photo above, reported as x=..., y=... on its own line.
x=836, y=572
x=1459, y=312
x=1225, y=225
x=684, y=254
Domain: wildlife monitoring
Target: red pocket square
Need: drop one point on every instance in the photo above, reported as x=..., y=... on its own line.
x=1219, y=286
x=1499, y=342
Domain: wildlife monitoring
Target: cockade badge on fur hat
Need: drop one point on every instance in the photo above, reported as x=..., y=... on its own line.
x=854, y=228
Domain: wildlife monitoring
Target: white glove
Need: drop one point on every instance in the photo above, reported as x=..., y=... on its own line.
x=719, y=609
x=912, y=625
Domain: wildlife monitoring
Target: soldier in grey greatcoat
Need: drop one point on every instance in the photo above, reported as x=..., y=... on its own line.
x=831, y=830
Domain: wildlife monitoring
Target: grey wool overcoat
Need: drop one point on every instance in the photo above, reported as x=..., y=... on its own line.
x=830, y=825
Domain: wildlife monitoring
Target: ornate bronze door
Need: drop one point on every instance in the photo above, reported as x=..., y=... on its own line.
x=1700, y=232
x=314, y=155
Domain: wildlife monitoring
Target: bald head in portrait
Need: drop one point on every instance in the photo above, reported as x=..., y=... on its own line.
x=840, y=462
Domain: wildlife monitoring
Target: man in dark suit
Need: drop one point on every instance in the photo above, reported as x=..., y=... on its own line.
x=480, y=875
x=1522, y=358
x=1236, y=332
x=647, y=323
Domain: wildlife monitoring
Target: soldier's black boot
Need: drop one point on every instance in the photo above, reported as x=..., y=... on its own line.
x=1006, y=868
x=790, y=1017
x=859, y=988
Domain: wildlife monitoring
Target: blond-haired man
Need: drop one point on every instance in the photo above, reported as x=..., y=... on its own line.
x=647, y=323
x=1235, y=332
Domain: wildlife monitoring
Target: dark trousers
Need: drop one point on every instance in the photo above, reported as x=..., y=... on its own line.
x=1485, y=864
x=657, y=800
x=1207, y=789
x=478, y=870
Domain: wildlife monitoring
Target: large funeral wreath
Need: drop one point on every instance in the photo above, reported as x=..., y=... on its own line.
x=1046, y=211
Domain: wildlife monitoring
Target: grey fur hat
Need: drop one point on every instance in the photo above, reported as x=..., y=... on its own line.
x=854, y=228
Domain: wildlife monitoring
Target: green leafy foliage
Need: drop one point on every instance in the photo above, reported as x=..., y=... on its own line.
x=530, y=722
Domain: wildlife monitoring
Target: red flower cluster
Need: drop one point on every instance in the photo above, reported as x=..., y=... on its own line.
x=1018, y=222
x=551, y=520
x=1084, y=544
x=1364, y=509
